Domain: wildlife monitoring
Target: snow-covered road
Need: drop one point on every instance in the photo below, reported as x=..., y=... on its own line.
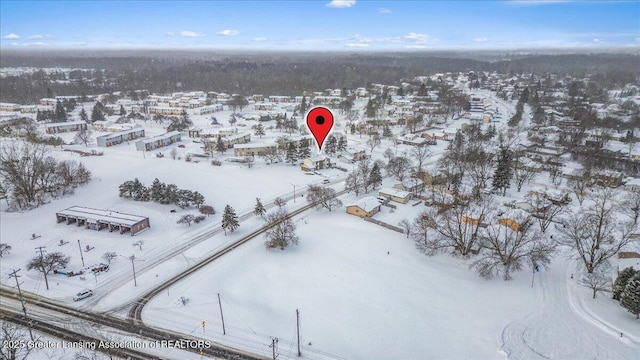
x=562, y=329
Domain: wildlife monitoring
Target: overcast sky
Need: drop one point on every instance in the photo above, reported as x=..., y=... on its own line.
x=319, y=25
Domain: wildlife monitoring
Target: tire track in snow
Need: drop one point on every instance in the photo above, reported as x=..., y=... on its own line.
x=559, y=331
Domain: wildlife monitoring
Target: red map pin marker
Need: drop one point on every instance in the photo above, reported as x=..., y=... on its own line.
x=320, y=123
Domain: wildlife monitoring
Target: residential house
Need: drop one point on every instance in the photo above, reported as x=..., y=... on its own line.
x=365, y=207
x=412, y=185
x=396, y=195
x=119, y=137
x=316, y=163
x=628, y=259
x=158, y=141
x=9, y=107
x=632, y=184
x=55, y=128
x=254, y=149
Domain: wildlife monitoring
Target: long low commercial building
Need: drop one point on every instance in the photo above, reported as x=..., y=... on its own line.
x=96, y=219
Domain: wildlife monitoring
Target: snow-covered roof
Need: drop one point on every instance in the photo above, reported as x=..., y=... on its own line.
x=367, y=203
x=106, y=216
x=394, y=192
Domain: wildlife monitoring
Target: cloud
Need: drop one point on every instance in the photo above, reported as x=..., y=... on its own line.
x=15, y=44
x=36, y=37
x=341, y=3
x=384, y=11
x=419, y=38
x=597, y=41
x=357, y=45
x=169, y=33
x=259, y=38
x=482, y=39
x=11, y=36
x=228, y=32
x=187, y=33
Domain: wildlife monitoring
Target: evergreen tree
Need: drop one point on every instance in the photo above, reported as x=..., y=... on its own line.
x=304, y=151
x=60, y=114
x=621, y=282
x=375, y=177
x=259, y=130
x=170, y=195
x=97, y=112
x=303, y=105
x=49, y=93
x=83, y=115
x=123, y=112
x=197, y=199
x=342, y=144
x=229, y=220
x=292, y=153
x=259, y=209
x=386, y=131
x=157, y=190
x=630, y=298
x=220, y=147
x=331, y=145
x=353, y=129
x=370, y=110
x=503, y=173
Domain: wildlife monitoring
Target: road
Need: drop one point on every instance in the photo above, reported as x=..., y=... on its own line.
x=45, y=314
x=559, y=329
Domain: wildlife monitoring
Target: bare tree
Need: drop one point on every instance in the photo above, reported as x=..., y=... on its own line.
x=579, y=184
x=521, y=173
x=456, y=227
x=420, y=154
x=324, y=197
x=108, y=256
x=5, y=249
x=373, y=142
x=173, y=153
x=363, y=170
x=598, y=281
x=631, y=206
x=597, y=233
x=354, y=182
x=249, y=160
x=14, y=341
x=422, y=227
x=509, y=242
x=271, y=155
x=479, y=168
x=544, y=210
x=186, y=219
x=83, y=137
x=279, y=202
x=406, y=225
x=281, y=231
x=48, y=263
x=398, y=166
x=207, y=210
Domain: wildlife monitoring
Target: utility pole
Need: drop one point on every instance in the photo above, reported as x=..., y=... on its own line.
x=133, y=266
x=81, y=257
x=40, y=248
x=274, y=345
x=14, y=274
x=298, y=330
x=224, y=332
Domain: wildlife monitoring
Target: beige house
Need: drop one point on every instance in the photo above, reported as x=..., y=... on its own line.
x=254, y=149
x=396, y=195
x=317, y=163
x=365, y=207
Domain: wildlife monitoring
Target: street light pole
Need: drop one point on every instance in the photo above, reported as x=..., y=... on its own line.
x=294, y=193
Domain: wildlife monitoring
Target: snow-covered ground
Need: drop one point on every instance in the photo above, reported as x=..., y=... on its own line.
x=364, y=292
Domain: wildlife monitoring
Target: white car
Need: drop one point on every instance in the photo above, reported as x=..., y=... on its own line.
x=325, y=181
x=83, y=295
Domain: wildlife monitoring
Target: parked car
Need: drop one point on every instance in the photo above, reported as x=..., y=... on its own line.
x=181, y=146
x=325, y=181
x=83, y=295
